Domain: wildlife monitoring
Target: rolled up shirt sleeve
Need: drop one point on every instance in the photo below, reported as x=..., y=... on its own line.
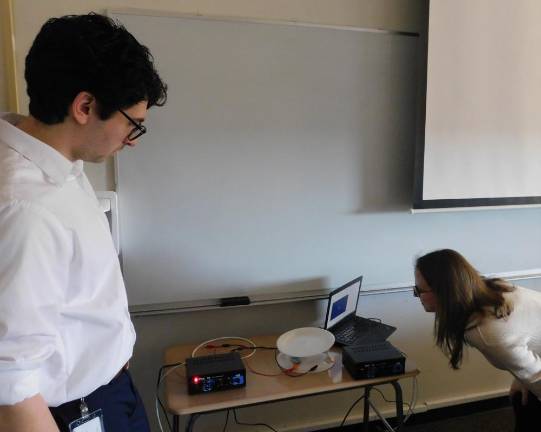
x=34, y=258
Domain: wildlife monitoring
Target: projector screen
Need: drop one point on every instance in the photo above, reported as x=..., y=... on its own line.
x=481, y=144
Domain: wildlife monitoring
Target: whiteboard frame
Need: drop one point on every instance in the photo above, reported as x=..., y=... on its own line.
x=268, y=299
x=207, y=17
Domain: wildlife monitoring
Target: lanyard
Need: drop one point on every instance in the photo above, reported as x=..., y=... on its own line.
x=84, y=408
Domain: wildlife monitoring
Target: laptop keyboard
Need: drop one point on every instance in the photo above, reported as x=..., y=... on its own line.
x=364, y=331
x=351, y=334
x=348, y=334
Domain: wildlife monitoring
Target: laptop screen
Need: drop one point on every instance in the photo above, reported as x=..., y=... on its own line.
x=343, y=302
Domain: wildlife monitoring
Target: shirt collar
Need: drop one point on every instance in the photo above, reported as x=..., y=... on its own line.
x=55, y=165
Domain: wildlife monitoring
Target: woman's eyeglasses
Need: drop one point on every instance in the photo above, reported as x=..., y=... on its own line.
x=138, y=128
x=417, y=292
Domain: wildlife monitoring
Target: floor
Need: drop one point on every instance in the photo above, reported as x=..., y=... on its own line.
x=498, y=420
x=495, y=415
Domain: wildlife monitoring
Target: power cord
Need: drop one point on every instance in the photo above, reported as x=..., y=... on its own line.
x=411, y=406
x=383, y=420
x=251, y=424
x=158, y=401
x=393, y=401
x=236, y=338
x=226, y=420
x=350, y=409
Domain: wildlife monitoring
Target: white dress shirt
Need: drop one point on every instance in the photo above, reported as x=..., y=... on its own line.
x=65, y=328
x=513, y=343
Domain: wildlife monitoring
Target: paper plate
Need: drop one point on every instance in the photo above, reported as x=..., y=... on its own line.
x=322, y=361
x=305, y=342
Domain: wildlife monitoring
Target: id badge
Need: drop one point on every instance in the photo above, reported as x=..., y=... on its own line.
x=92, y=422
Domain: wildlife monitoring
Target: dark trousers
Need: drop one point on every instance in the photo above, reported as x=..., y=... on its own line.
x=120, y=402
x=527, y=417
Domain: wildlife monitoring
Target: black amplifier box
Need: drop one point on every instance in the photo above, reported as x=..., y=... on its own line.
x=212, y=373
x=373, y=360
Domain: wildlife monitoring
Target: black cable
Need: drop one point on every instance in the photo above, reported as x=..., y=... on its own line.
x=393, y=401
x=251, y=424
x=159, y=400
x=165, y=414
x=226, y=420
x=349, y=410
x=362, y=397
x=245, y=347
x=165, y=367
x=158, y=391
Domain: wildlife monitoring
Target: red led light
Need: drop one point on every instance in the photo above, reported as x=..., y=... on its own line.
x=196, y=379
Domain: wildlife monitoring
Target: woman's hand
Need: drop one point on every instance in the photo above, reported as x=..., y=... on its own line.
x=518, y=387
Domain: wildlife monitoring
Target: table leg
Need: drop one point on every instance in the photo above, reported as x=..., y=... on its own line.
x=399, y=405
x=366, y=414
x=176, y=425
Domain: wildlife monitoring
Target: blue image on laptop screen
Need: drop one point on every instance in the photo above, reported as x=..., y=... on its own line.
x=339, y=307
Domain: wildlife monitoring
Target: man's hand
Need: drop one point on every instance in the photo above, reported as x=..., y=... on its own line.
x=30, y=415
x=518, y=387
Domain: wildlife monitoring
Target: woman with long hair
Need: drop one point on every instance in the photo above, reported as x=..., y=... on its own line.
x=501, y=320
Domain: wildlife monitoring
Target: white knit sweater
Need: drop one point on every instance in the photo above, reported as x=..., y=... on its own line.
x=514, y=343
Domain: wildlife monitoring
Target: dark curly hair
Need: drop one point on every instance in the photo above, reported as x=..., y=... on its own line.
x=90, y=53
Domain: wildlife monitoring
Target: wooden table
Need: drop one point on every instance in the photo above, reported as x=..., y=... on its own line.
x=262, y=389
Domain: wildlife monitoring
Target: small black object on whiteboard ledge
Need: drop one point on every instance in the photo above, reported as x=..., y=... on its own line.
x=234, y=301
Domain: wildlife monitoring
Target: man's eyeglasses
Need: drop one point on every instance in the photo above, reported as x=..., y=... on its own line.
x=138, y=128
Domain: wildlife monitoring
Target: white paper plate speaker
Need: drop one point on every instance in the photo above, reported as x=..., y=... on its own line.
x=305, y=342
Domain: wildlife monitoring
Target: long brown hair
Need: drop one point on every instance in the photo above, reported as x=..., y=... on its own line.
x=463, y=298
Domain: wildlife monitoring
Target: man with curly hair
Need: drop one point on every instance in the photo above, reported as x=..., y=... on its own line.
x=65, y=331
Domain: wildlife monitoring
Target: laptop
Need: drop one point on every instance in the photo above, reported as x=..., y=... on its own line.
x=342, y=320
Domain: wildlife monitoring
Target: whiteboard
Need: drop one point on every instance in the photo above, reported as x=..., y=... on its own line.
x=283, y=161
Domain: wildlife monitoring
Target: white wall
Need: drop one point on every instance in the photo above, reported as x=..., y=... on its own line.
x=3, y=92
x=438, y=385
x=3, y=65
